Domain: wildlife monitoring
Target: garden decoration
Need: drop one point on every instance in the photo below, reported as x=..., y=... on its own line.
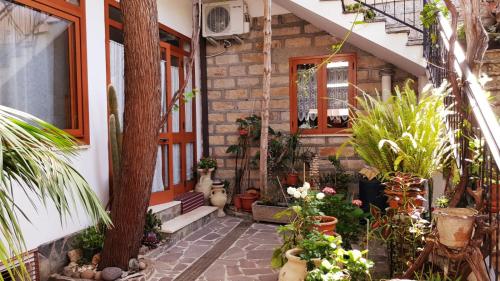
x=218, y=198
x=206, y=166
x=471, y=253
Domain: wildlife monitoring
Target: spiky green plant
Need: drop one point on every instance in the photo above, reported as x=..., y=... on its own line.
x=34, y=159
x=404, y=133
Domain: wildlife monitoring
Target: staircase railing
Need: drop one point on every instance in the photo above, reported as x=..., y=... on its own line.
x=405, y=12
x=475, y=133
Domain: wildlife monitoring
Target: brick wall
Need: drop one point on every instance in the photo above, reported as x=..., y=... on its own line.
x=235, y=86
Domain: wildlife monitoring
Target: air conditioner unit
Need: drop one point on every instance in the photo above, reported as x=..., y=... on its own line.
x=225, y=19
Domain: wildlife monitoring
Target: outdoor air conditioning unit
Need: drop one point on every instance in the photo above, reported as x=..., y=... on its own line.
x=225, y=19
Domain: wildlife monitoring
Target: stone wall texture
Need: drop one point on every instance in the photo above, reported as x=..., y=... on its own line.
x=235, y=86
x=491, y=67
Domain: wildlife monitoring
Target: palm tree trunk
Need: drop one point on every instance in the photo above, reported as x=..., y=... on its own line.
x=266, y=95
x=140, y=135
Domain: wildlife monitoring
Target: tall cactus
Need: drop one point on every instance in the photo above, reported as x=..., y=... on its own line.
x=115, y=136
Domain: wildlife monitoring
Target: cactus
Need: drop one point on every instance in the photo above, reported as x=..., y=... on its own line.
x=115, y=136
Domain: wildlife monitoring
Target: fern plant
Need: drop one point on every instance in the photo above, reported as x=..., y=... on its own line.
x=404, y=133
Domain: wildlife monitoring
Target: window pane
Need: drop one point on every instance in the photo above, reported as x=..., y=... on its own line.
x=307, y=97
x=166, y=173
x=169, y=38
x=117, y=75
x=337, y=85
x=175, y=81
x=157, y=178
x=177, y=163
x=115, y=14
x=163, y=66
x=188, y=105
x=34, y=64
x=189, y=161
x=116, y=35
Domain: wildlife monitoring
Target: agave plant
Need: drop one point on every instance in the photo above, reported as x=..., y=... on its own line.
x=34, y=159
x=404, y=133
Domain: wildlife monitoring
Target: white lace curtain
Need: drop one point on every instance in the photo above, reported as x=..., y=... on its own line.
x=338, y=93
x=307, y=97
x=34, y=63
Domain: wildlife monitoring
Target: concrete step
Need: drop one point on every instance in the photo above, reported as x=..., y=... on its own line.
x=167, y=211
x=182, y=225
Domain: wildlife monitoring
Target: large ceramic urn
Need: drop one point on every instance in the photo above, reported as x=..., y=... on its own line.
x=218, y=198
x=204, y=185
x=295, y=269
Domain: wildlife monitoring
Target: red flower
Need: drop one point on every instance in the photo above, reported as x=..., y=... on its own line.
x=357, y=202
x=329, y=190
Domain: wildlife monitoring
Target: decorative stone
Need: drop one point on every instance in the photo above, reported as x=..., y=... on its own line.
x=143, y=250
x=142, y=265
x=75, y=255
x=133, y=265
x=68, y=271
x=96, y=259
x=73, y=264
x=111, y=273
x=75, y=275
x=98, y=275
x=87, y=274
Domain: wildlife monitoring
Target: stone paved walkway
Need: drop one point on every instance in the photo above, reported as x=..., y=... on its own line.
x=249, y=259
x=170, y=262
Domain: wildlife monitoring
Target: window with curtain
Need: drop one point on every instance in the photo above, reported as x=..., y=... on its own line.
x=40, y=69
x=321, y=93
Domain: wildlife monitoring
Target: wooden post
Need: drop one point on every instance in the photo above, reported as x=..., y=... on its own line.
x=266, y=96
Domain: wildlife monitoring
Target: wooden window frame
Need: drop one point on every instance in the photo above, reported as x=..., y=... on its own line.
x=77, y=60
x=322, y=92
x=166, y=139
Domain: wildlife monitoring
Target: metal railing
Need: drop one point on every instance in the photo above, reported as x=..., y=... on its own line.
x=474, y=130
x=404, y=12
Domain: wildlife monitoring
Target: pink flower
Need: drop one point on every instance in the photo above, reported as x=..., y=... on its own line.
x=357, y=202
x=329, y=191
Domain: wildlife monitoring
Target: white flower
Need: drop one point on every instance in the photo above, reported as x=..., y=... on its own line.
x=320, y=196
x=339, y=275
x=291, y=190
x=303, y=194
x=356, y=254
x=297, y=194
x=306, y=186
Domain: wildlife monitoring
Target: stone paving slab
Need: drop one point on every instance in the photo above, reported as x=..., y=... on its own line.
x=171, y=261
x=248, y=259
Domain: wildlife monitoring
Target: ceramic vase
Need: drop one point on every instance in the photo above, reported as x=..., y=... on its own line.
x=204, y=185
x=455, y=226
x=218, y=198
x=294, y=269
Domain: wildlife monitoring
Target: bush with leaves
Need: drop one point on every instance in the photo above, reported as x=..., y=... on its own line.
x=152, y=229
x=90, y=241
x=348, y=214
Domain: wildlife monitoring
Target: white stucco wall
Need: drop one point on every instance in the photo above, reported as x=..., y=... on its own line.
x=256, y=8
x=92, y=161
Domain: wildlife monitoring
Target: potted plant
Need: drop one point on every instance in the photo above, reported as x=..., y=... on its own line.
x=371, y=189
x=205, y=168
x=348, y=212
x=455, y=226
x=152, y=228
x=90, y=241
x=405, y=191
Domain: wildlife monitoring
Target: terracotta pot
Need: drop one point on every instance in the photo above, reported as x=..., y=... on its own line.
x=254, y=191
x=292, y=179
x=237, y=202
x=247, y=200
x=218, y=198
x=294, y=269
x=455, y=226
x=326, y=225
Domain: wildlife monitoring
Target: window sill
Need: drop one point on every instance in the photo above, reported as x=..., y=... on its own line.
x=326, y=135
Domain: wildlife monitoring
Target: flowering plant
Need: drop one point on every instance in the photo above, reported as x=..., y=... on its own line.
x=303, y=211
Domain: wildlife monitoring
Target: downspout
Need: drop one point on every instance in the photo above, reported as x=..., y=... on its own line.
x=204, y=96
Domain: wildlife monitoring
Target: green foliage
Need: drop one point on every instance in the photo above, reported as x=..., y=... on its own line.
x=206, y=163
x=34, y=158
x=153, y=223
x=90, y=239
x=403, y=133
x=348, y=214
x=436, y=276
x=340, y=177
x=429, y=14
x=115, y=136
x=442, y=202
x=368, y=14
